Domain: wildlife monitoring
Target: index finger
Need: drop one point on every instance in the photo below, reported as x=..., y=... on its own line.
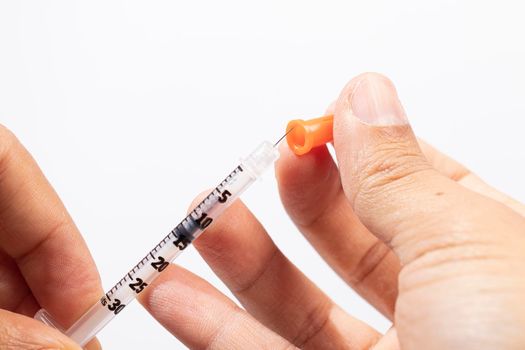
x=40, y=236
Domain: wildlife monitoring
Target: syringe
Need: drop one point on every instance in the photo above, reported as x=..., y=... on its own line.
x=149, y=268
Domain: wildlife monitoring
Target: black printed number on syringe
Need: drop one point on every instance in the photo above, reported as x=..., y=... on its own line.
x=115, y=305
x=204, y=221
x=138, y=286
x=160, y=265
x=181, y=242
x=224, y=196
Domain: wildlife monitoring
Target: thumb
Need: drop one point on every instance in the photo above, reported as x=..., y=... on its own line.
x=21, y=332
x=393, y=189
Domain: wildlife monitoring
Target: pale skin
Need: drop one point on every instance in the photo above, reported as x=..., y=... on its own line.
x=425, y=241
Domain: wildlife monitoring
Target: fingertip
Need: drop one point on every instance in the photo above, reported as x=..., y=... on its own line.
x=162, y=291
x=185, y=304
x=168, y=293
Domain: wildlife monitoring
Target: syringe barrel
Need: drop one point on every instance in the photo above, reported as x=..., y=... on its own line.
x=148, y=269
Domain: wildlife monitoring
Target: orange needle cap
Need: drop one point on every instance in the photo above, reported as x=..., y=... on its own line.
x=303, y=135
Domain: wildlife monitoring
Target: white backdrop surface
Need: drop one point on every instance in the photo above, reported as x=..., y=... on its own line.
x=123, y=104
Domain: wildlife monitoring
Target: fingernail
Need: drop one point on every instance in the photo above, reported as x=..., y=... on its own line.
x=374, y=101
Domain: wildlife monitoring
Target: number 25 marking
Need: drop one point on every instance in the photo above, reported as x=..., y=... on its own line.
x=138, y=286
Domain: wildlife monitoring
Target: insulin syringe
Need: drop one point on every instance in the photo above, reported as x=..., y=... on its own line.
x=301, y=135
x=147, y=269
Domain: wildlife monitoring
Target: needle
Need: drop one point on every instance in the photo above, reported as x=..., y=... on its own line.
x=282, y=137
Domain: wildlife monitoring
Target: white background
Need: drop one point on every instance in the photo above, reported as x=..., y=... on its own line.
x=125, y=105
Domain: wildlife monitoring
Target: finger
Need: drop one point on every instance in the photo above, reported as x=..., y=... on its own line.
x=311, y=192
x=271, y=288
x=393, y=189
x=37, y=232
x=202, y=317
x=456, y=171
x=21, y=332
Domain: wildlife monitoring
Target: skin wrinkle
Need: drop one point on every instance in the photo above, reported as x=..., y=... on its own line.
x=11, y=283
x=321, y=214
x=403, y=232
x=449, y=262
x=213, y=252
x=8, y=203
x=6, y=160
x=447, y=166
x=27, y=307
x=389, y=161
x=237, y=322
x=51, y=234
x=382, y=180
x=226, y=323
x=422, y=236
x=437, y=244
x=461, y=251
x=15, y=337
x=247, y=286
x=21, y=301
x=369, y=262
x=311, y=318
x=409, y=286
x=62, y=221
x=385, y=173
x=315, y=321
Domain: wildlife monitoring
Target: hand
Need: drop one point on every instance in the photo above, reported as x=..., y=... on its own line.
x=44, y=262
x=425, y=241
